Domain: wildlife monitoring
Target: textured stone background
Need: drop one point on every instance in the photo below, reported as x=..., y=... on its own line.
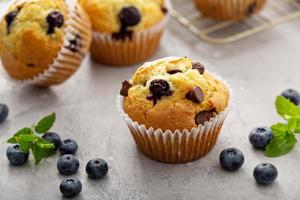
x=258, y=68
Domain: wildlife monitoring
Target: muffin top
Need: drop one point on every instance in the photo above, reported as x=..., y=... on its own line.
x=173, y=93
x=32, y=33
x=115, y=16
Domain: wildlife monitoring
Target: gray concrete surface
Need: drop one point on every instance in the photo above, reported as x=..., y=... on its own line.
x=258, y=68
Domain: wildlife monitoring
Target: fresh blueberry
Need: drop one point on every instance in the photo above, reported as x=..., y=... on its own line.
x=265, y=173
x=3, y=112
x=70, y=187
x=231, y=159
x=259, y=137
x=68, y=146
x=293, y=95
x=53, y=138
x=67, y=164
x=15, y=156
x=96, y=168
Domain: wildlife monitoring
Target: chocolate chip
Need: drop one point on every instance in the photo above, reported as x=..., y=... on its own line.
x=130, y=16
x=251, y=8
x=9, y=18
x=159, y=88
x=199, y=67
x=125, y=87
x=122, y=35
x=74, y=44
x=196, y=95
x=174, y=71
x=55, y=20
x=30, y=65
x=204, y=116
x=164, y=9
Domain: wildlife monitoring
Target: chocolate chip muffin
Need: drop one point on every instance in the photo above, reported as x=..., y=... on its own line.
x=174, y=98
x=125, y=31
x=38, y=43
x=173, y=94
x=230, y=9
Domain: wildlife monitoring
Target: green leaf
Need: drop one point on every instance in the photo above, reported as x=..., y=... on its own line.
x=23, y=131
x=280, y=145
x=292, y=124
x=42, y=149
x=45, y=124
x=286, y=109
x=297, y=129
x=279, y=129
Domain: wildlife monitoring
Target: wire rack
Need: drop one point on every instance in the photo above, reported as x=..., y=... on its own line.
x=221, y=32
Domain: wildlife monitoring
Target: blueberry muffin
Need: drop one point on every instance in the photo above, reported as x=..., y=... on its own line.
x=229, y=9
x=174, y=94
x=125, y=31
x=175, y=97
x=38, y=43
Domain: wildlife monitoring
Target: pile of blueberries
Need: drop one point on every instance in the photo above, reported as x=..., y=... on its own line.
x=67, y=164
x=232, y=159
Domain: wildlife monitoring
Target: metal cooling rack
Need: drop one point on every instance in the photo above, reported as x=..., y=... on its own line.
x=221, y=32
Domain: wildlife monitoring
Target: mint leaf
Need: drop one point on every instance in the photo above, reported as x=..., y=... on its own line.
x=297, y=129
x=45, y=124
x=281, y=145
x=292, y=124
x=286, y=109
x=25, y=146
x=42, y=149
x=279, y=129
x=23, y=131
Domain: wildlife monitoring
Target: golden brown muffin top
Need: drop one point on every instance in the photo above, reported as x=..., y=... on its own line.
x=32, y=33
x=110, y=16
x=173, y=93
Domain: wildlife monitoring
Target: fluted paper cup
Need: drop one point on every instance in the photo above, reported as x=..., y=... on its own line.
x=178, y=146
x=67, y=61
x=229, y=9
x=140, y=47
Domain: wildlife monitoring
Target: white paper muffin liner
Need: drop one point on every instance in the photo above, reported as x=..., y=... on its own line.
x=178, y=146
x=67, y=62
x=143, y=44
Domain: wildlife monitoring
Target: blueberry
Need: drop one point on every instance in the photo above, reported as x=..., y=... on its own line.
x=70, y=187
x=292, y=95
x=259, y=137
x=15, y=156
x=265, y=173
x=3, y=112
x=231, y=159
x=96, y=168
x=9, y=18
x=53, y=138
x=55, y=20
x=130, y=16
x=68, y=146
x=67, y=164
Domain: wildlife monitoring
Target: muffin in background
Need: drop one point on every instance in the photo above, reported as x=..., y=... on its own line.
x=174, y=109
x=229, y=9
x=43, y=42
x=125, y=31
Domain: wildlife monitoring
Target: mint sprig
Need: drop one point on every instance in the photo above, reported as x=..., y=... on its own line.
x=29, y=139
x=284, y=138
